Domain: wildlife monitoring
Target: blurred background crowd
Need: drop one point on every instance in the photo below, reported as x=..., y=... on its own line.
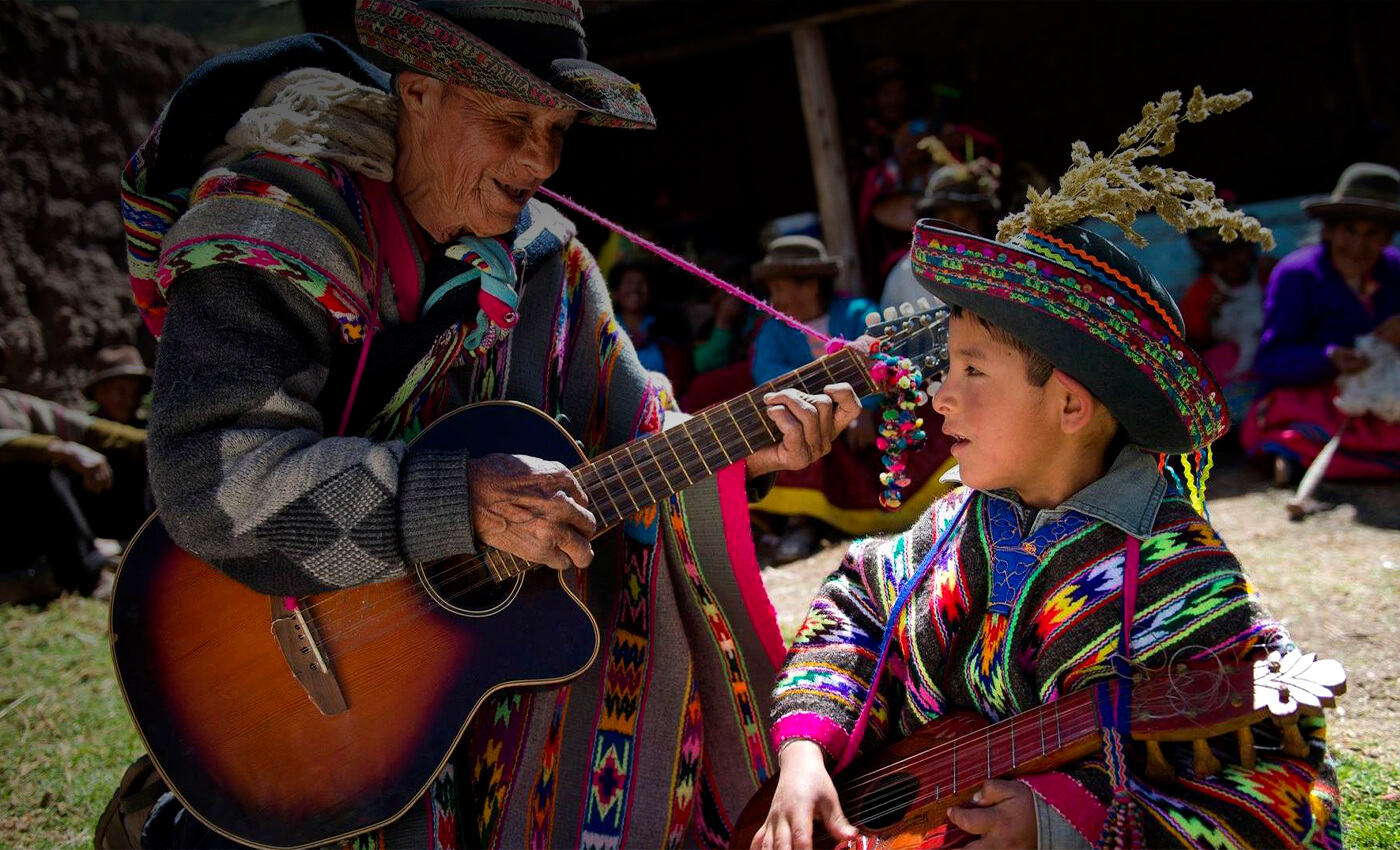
x=797, y=145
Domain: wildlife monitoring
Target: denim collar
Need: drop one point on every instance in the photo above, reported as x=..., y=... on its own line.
x=1127, y=497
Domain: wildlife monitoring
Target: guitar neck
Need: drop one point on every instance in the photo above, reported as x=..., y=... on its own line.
x=646, y=471
x=1037, y=740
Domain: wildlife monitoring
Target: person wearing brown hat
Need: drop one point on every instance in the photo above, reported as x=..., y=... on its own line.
x=837, y=490
x=66, y=479
x=119, y=380
x=964, y=195
x=1320, y=301
x=332, y=256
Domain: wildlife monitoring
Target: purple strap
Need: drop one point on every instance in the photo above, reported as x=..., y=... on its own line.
x=681, y=262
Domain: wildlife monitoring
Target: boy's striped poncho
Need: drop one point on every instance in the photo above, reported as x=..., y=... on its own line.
x=950, y=653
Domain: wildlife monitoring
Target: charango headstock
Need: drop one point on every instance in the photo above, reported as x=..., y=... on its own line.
x=1198, y=700
x=917, y=331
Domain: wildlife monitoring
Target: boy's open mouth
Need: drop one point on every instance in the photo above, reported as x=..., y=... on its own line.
x=958, y=439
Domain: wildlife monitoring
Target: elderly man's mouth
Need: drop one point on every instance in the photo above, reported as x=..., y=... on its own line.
x=518, y=194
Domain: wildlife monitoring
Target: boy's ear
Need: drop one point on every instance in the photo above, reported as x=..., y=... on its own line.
x=1076, y=404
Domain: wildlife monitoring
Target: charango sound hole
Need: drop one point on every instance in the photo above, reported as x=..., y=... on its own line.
x=886, y=804
x=468, y=587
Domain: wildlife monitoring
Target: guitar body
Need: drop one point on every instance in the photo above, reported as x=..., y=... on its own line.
x=237, y=735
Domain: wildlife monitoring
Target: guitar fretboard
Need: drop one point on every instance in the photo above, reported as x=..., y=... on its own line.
x=644, y=472
x=969, y=760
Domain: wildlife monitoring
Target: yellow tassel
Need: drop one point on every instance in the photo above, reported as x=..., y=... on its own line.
x=1205, y=471
x=1197, y=499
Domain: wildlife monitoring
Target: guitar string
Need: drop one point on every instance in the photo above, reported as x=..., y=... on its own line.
x=480, y=565
x=1072, y=703
x=601, y=481
x=607, y=482
x=413, y=592
x=444, y=569
x=1081, y=727
x=1083, y=703
x=1147, y=698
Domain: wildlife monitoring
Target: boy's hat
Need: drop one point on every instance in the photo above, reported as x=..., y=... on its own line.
x=1091, y=310
x=1083, y=304
x=1365, y=190
x=796, y=256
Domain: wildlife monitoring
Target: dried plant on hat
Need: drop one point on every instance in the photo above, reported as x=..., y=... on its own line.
x=986, y=173
x=1116, y=188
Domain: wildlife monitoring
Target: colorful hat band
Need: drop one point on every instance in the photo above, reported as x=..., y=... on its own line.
x=1047, y=275
x=421, y=40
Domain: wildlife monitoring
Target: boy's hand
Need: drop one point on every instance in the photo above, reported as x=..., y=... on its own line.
x=804, y=792
x=1003, y=815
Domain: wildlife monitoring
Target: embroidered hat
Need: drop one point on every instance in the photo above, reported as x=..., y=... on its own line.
x=1083, y=304
x=796, y=256
x=1366, y=191
x=527, y=50
x=1092, y=311
x=115, y=361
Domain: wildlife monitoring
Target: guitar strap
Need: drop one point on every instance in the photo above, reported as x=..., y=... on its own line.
x=906, y=590
x=1123, y=825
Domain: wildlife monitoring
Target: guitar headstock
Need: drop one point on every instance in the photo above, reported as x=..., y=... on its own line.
x=917, y=331
x=1198, y=700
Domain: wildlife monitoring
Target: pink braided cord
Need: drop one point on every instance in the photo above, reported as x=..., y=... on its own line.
x=707, y=276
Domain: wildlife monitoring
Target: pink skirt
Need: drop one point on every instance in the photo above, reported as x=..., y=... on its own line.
x=1296, y=422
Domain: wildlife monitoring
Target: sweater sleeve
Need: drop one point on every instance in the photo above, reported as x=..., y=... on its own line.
x=1287, y=354
x=242, y=469
x=824, y=682
x=826, y=679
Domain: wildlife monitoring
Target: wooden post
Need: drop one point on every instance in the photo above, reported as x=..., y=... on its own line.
x=824, y=143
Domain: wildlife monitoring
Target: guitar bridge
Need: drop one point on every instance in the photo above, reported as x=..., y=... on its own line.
x=302, y=649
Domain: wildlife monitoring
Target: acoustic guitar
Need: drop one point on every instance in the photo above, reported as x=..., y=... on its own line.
x=292, y=722
x=899, y=797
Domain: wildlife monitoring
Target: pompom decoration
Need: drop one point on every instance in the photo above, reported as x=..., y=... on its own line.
x=900, y=428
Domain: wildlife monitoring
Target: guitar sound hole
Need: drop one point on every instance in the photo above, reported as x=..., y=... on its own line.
x=467, y=587
x=888, y=802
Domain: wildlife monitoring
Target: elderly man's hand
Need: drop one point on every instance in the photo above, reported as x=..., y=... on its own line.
x=808, y=424
x=532, y=508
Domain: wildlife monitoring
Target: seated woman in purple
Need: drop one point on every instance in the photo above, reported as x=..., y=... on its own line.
x=1319, y=301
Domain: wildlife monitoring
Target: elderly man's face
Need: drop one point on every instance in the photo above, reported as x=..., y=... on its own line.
x=469, y=161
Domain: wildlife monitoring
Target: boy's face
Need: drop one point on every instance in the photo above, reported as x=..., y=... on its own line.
x=1005, y=429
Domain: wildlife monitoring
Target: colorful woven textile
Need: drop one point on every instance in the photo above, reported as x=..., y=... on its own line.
x=954, y=652
x=1106, y=322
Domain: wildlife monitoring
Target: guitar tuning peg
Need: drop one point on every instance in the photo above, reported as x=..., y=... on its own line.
x=928, y=361
x=925, y=320
x=891, y=313
x=1203, y=760
x=906, y=309
x=1245, y=736
x=1158, y=769
x=923, y=304
x=1293, y=743
x=872, y=318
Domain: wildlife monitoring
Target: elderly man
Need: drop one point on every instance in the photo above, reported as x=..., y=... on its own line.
x=333, y=260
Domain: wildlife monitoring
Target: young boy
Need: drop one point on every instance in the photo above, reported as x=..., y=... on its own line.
x=1067, y=376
